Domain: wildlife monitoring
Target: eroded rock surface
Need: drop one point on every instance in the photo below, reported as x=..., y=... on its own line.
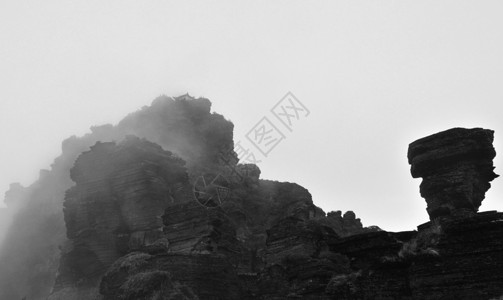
x=134, y=219
x=457, y=167
x=170, y=276
x=135, y=197
x=347, y=224
x=137, y=229
x=183, y=125
x=116, y=206
x=458, y=255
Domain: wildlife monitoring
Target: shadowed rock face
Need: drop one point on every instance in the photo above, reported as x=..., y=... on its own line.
x=183, y=125
x=136, y=197
x=269, y=241
x=457, y=255
x=133, y=201
x=141, y=275
x=116, y=206
x=456, y=166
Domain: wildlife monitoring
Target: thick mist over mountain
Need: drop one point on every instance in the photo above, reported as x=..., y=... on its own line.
x=29, y=252
x=36, y=235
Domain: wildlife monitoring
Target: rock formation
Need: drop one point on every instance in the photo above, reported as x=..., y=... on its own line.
x=347, y=224
x=133, y=221
x=137, y=226
x=298, y=261
x=183, y=125
x=140, y=275
x=456, y=166
x=116, y=206
x=457, y=255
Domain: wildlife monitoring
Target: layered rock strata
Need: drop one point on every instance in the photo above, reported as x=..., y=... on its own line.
x=457, y=255
x=298, y=261
x=183, y=125
x=141, y=275
x=116, y=206
x=135, y=200
x=457, y=167
x=194, y=229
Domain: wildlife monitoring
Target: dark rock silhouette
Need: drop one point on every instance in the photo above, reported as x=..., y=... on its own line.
x=457, y=255
x=116, y=205
x=347, y=224
x=135, y=197
x=182, y=125
x=456, y=166
x=30, y=255
x=136, y=227
x=140, y=275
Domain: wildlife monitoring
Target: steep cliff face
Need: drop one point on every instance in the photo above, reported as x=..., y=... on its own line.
x=170, y=276
x=183, y=125
x=137, y=227
x=298, y=262
x=116, y=206
x=469, y=263
x=142, y=222
x=458, y=255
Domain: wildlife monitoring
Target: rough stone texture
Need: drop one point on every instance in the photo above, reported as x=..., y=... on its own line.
x=369, y=248
x=171, y=276
x=136, y=231
x=298, y=261
x=136, y=197
x=376, y=269
x=456, y=166
x=183, y=125
x=448, y=260
x=347, y=224
x=187, y=127
x=116, y=206
x=293, y=236
x=458, y=255
x=469, y=264
x=192, y=228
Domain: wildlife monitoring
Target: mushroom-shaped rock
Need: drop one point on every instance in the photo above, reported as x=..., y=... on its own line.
x=456, y=166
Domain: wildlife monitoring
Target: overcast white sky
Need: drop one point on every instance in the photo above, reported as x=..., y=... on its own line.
x=376, y=75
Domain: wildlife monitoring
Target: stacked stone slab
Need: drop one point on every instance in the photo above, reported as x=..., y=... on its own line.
x=457, y=167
